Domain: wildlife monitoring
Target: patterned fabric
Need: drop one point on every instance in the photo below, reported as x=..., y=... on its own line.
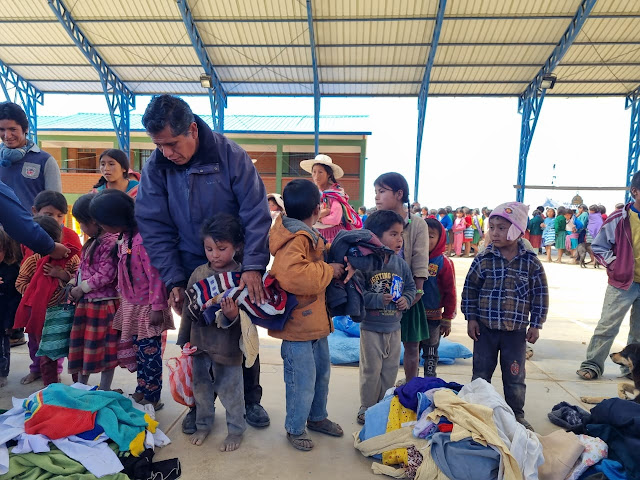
x=54, y=342
x=415, y=460
x=97, y=274
x=398, y=415
x=133, y=320
x=149, y=359
x=127, y=355
x=207, y=294
x=93, y=346
x=594, y=450
x=549, y=233
x=506, y=295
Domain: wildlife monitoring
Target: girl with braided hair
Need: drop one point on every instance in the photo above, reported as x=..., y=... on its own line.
x=392, y=193
x=143, y=314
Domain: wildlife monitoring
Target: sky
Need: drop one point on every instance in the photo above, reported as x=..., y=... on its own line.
x=470, y=145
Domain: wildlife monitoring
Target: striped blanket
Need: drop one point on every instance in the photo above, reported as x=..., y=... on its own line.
x=205, y=296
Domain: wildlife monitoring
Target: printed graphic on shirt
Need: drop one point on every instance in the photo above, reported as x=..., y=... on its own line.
x=433, y=269
x=30, y=170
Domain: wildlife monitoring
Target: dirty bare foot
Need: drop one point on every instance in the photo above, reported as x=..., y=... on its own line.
x=32, y=377
x=231, y=443
x=198, y=437
x=137, y=397
x=3, y=381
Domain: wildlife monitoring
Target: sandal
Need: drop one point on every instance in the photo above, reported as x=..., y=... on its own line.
x=587, y=374
x=327, y=427
x=300, y=442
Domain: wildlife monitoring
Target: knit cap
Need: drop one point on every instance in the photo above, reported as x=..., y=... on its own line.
x=516, y=213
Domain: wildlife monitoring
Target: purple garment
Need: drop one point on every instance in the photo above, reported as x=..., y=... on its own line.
x=408, y=393
x=595, y=223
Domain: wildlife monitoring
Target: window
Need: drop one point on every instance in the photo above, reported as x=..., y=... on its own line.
x=86, y=161
x=144, y=156
x=292, y=163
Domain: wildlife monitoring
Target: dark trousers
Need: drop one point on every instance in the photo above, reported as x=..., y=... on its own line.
x=5, y=359
x=512, y=347
x=251, y=378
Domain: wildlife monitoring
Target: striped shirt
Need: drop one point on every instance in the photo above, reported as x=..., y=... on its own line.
x=506, y=295
x=28, y=269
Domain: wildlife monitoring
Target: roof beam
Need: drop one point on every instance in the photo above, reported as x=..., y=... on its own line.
x=24, y=94
x=530, y=101
x=424, y=90
x=120, y=99
x=316, y=80
x=217, y=94
x=632, y=101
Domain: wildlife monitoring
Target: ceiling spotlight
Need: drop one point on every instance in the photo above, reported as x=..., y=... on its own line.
x=205, y=80
x=548, y=81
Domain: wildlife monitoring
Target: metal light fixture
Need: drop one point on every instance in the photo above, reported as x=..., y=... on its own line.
x=205, y=80
x=548, y=81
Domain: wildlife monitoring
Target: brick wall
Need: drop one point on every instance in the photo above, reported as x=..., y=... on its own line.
x=78, y=182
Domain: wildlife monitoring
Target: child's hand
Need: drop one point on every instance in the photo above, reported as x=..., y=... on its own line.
x=156, y=318
x=76, y=294
x=473, y=330
x=386, y=299
x=1, y=281
x=56, y=271
x=402, y=304
x=533, y=334
x=445, y=331
x=229, y=308
x=338, y=270
x=350, y=271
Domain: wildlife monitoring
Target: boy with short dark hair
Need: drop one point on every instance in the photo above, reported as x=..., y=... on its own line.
x=388, y=293
x=299, y=267
x=505, y=292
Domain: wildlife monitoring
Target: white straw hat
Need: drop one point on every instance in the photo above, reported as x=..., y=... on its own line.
x=307, y=165
x=276, y=197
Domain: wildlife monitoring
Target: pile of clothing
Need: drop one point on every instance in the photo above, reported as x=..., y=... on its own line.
x=429, y=429
x=614, y=425
x=94, y=434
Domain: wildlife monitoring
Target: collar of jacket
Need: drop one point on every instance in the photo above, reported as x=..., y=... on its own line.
x=294, y=226
x=522, y=250
x=205, y=154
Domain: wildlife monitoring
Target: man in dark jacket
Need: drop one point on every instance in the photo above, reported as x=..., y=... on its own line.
x=193, y=174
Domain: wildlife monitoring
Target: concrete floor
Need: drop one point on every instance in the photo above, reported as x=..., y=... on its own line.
x=576, y=302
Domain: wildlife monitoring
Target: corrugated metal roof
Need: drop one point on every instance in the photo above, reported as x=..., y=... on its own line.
x=295, y=124
x=373, y=47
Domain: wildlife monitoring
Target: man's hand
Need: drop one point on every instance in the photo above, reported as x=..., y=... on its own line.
x=402, y=304
x=473, y=330
x=338, y=270
x=76, y=294
x=253, y=281
x=445, y=331
x=533, y=334
x=1, y=281
x=176, y=299
x=386, y=299
x=156, y=318
x=229, y=308
x=56, y=271
x=59, y=251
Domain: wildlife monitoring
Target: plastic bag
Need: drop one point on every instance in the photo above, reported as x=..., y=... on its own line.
x=181, y=376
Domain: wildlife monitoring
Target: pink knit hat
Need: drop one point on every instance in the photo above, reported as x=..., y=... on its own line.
x=517, y=213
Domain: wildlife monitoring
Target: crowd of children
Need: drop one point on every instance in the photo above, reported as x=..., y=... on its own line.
x=121, y=304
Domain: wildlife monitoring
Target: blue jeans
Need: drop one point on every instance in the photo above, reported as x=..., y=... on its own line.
x=617, y=303
x=306, y=376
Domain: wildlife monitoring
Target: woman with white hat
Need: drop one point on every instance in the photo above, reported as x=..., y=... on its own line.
x=336, y=213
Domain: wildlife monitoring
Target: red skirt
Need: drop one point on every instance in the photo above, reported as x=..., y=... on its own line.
x=93, y=346
x=536, y=240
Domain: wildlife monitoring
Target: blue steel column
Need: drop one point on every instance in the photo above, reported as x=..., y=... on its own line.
x=24, y=94
x=217, y=94
x=424, y=90
x=316, y=81
x=633, y=102
x=530, y=101
x=120, y=99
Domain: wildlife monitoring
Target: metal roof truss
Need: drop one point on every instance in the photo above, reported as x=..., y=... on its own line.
x=24, y=93
x=632, y=102
x=119, y=98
